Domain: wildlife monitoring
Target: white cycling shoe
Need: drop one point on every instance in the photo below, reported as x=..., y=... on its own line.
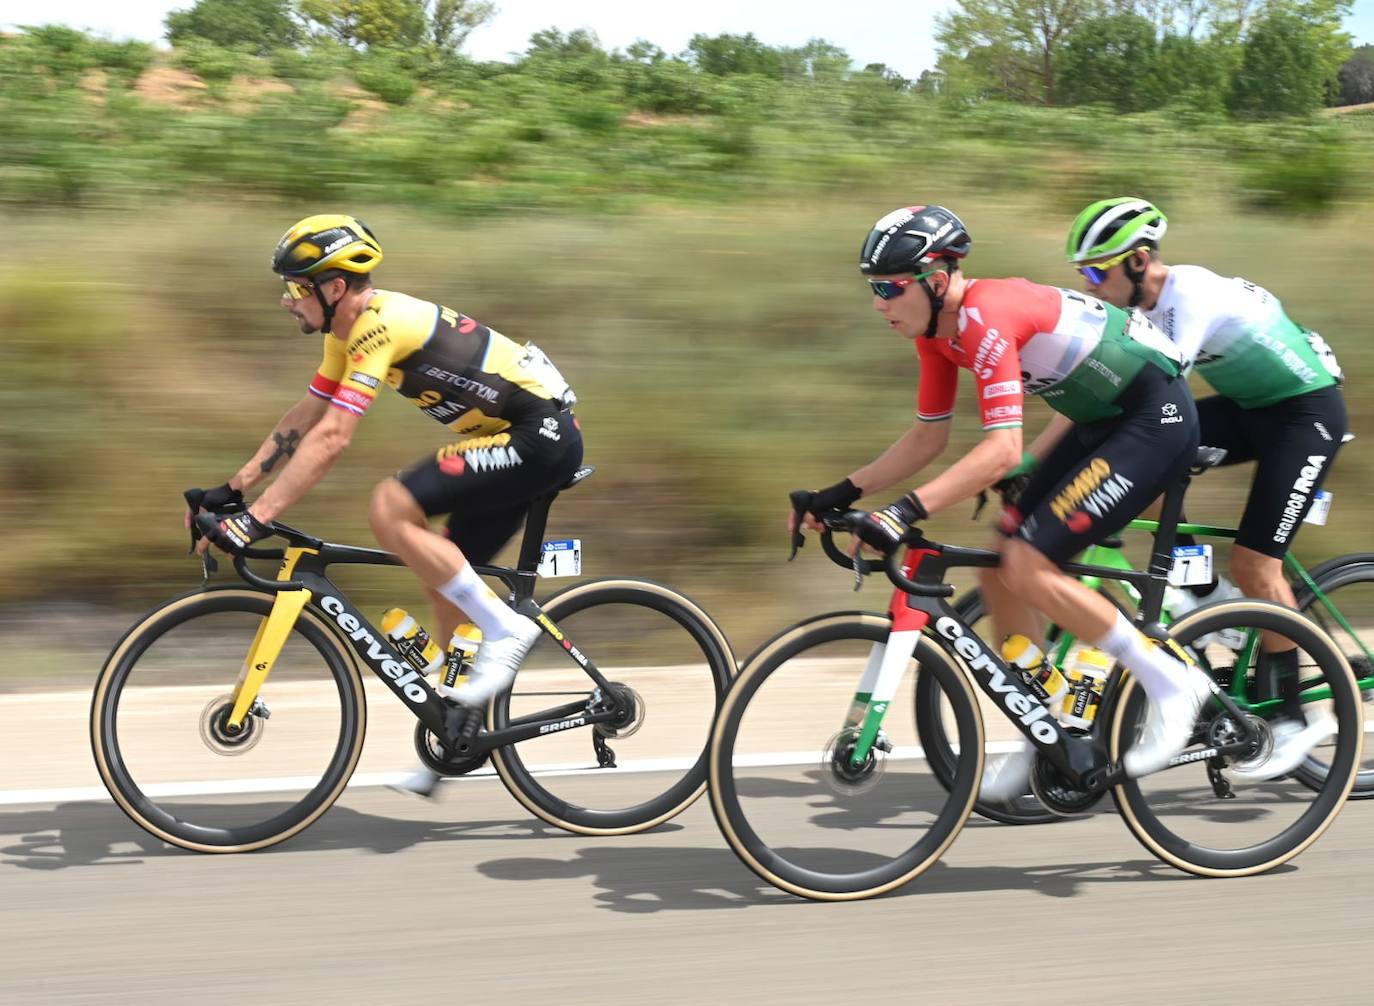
x=1168, y=725
x=1007, y=776
x=1293, y=741
x=497, y=660
x=421, y=782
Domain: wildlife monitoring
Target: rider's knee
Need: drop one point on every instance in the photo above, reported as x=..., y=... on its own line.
x=1023, y=567
x=390, y=505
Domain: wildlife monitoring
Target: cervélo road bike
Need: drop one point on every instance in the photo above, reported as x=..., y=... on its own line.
x=823, y=793
x=230, y=718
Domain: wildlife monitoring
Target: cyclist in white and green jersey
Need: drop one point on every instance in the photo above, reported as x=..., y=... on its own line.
x=1278, y=403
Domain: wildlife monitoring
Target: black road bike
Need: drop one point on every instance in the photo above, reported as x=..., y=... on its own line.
x=823, y=794
x=201, y=749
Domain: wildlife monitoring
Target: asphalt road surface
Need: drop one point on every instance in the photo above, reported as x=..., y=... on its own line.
x=467, y=899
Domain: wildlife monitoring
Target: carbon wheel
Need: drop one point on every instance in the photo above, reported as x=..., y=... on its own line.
x=161, y=740
x=1206, y=817
x=669, y=665
x=1347, y=616
x=789, y=793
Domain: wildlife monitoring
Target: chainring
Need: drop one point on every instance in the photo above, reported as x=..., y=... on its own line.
x=442, y=760
x=1053, y=789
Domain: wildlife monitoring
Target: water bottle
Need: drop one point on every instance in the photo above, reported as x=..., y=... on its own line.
x=1087, y=680
x=1041, y=676
x=462, y=650
x=411, y=641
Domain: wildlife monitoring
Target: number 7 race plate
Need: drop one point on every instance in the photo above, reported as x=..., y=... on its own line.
x=1192, y=565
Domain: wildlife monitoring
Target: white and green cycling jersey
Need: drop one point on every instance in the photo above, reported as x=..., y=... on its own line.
x=1237, y=335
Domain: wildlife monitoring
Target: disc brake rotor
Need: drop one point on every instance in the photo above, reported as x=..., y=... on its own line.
x=837, y=766
x=222, y=739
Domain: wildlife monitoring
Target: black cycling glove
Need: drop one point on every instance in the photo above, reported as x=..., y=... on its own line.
x=884, y=529
x=840, y=496
x=233, y=534
x=218, y=498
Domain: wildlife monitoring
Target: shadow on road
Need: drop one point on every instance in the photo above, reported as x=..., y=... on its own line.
x=643, y=880
x=98, y=834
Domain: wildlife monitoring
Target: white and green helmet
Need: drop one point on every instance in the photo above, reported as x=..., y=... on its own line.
x=1112, y=226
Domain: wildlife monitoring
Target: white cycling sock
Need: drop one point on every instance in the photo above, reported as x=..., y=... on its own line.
x=1160, y=675
x=487, y=611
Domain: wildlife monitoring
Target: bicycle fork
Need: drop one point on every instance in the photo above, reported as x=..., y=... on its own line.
x=271, y=637
x=886, y=664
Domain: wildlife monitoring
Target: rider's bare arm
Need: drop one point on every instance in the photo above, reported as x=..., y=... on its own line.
x=996, y=454
x=910, y=453
x=282, y=443
x=318, y=451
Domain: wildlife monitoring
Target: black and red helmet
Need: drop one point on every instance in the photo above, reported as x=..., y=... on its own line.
x=912, y=239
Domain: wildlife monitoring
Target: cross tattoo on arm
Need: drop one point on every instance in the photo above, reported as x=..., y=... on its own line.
x=286, y=446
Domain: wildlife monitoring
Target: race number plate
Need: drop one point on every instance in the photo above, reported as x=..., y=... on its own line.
x=1192, y=565
x=561, y=558
x=1321, y=509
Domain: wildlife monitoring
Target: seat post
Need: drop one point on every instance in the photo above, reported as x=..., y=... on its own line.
x=532, y=544
x=1162, y=557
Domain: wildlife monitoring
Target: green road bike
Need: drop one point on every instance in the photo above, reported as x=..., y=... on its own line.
x=1337, y=594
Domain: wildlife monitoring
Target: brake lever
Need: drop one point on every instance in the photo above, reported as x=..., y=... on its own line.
x=208, y=563
x=801, y=499
x=980, y=501
x=845, y=522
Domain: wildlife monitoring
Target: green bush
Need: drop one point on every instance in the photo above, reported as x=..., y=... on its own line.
x=387, y=75
x=211, y=62
x=1297, y=169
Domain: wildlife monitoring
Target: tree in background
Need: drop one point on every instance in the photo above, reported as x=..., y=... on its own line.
x=1196, y=73
x=1276, y=75
x=1031, y=33
x=1112, y=60
x=370, y=23
x=452, y=21
x=728, y=55
x=259, y=25
x=1357, y=77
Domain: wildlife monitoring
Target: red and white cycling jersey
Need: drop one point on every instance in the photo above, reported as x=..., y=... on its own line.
x=1022, y=338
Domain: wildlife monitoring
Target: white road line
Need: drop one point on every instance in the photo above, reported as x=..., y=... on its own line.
x=364, y=780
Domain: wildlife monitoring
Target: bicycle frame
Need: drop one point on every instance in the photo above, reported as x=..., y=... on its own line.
x=1083, y=758
x=301, y=583
x=1113, y=558
x=917, y=605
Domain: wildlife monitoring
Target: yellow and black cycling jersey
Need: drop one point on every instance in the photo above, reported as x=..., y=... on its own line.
x=469, y=377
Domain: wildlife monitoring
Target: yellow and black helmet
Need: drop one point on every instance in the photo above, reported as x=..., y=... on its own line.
x=326, y=242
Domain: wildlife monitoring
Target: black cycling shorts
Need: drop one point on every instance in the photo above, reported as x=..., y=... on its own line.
x=486, y=484
x=1294, y=441
x=1101, y=475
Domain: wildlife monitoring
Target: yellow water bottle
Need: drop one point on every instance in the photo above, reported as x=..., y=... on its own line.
x=411, y=641
x=462, y=649
x=1087, y=680
x=1041, y=676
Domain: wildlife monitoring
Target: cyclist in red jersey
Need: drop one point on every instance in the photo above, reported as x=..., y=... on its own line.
x=1128, y=429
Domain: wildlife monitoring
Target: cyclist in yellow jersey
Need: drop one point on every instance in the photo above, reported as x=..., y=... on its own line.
x=508, y=405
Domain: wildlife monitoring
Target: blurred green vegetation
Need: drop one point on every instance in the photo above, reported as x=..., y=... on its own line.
x=86, y=123
x=723, y=356
x=681, y=242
